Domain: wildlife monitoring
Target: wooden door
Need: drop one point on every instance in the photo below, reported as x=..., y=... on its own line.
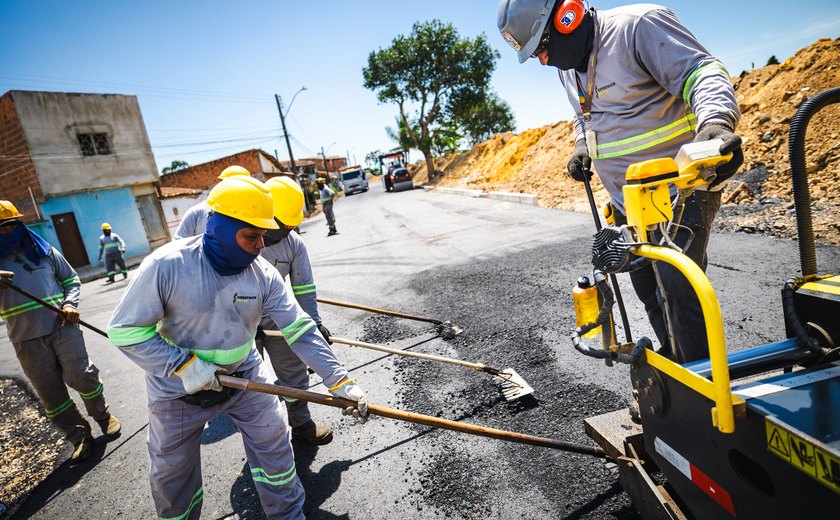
x=70, y=239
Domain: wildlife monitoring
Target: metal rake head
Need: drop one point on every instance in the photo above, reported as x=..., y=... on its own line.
x=513, y=385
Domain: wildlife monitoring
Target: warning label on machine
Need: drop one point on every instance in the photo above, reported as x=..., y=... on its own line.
x=802, y=454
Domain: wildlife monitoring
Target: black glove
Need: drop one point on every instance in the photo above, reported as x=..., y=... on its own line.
x=580, y=163
x=731, y=144
x=260, y=333
x=325, y=332
x=6, y=279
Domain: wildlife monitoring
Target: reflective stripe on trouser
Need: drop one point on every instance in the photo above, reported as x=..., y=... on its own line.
x=175, y=429
x=58, y=358
x=110, y=266
x=291, y=371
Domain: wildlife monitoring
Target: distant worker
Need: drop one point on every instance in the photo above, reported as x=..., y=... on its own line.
x=114, y=247
x=327, y=199
x=194, y=221
x=49, y=347
x=192, y=311
x=285, y=250
x=656, y=89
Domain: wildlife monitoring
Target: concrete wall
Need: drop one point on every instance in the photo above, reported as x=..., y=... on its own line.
x=51, y=121
x=175, y=207
x=206, y=175
x=116, y=207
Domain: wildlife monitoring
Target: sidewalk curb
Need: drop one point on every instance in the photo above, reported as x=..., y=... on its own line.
x=518, y=198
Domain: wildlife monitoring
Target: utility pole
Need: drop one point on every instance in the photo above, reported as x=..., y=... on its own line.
x=292, y=164
x=324, y=158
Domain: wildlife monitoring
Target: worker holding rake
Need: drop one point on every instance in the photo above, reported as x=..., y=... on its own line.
x=191, y=313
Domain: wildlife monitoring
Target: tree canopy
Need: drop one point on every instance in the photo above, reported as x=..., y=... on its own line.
x=175, y=166
x=437, y=79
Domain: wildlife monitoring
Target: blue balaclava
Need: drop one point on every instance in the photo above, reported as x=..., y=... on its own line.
x=219, y=243
x=34, y=247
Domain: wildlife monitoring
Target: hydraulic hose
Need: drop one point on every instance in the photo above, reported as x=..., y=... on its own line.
x=789, y=309
x=799, y=173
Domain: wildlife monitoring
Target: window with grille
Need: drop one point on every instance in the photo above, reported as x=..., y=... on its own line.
x=94, y=144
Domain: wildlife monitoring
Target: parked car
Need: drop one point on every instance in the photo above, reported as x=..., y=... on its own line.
x=401, y=179
x=352, y=180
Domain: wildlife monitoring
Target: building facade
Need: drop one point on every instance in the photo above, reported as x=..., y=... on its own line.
x=71, y=161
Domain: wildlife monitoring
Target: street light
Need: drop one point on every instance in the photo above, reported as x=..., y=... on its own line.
x=288, y=144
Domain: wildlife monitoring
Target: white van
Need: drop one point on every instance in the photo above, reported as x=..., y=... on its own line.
x=352, y=180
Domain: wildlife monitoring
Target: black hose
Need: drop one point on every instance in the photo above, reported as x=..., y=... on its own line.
x=799, y=173
x=789, y=310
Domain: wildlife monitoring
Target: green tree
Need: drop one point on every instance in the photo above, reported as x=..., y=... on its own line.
x=175, y=166
x=773, y=60
x=481, y=117
x=422, y=72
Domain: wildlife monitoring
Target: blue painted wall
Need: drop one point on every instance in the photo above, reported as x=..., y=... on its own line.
x=116, y=207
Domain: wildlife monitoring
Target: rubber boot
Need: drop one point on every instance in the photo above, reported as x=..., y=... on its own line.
x=111, y=426
x=313, y=433
x=82, y=450
x=110, y=280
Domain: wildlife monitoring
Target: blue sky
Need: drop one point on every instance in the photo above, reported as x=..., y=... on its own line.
x=206, y=72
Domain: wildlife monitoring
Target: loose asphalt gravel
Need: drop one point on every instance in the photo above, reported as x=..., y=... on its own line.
x=504, y=274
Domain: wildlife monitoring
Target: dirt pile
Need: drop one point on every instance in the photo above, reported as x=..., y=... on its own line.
x=757, y=200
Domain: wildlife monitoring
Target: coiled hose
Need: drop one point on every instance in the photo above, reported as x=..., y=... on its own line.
x=801, y=193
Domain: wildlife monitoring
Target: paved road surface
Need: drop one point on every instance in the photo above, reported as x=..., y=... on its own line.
x=500, y=270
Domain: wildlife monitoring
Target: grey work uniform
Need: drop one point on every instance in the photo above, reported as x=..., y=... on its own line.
x=290, y=258
x=194, y=221
x=327, y=197
x=113, y=246
x=654, y=84
x=176, y=305
x=51, y=353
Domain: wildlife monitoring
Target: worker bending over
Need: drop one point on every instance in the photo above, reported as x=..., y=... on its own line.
x=50, y=348
x=192, y=311
x=641, y=86
x=287, y=253
x=114, y=246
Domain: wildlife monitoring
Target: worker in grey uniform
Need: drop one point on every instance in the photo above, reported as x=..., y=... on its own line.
x=194, y=221
x=327, y=199
x=192, y=311
x=287, y=253
x=49, y=347
x=641, y=86
x=113, y=246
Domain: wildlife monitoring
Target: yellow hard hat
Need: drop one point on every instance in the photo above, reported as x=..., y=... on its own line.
x=8, y=210
x=230, y=171
x=288, y=200
x=105, y=226
x=245, y=199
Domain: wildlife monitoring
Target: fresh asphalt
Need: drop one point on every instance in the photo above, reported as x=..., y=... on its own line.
x=501, y=271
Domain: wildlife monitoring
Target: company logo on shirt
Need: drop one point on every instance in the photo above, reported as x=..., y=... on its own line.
x=279, y=262
x=239, y=298
x=604, y=88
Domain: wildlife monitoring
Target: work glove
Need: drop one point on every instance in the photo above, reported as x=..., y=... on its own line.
x=199, y=375
x=260, y=333
x=348, y=389
x=580, y=162
x=731, y=144
x=325, y=332
x=6, y=279
x=70, y=314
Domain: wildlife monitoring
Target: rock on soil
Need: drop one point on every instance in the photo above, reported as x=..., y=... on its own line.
x=31, y=447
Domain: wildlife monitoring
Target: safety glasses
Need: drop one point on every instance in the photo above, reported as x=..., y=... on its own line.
x=543, y=45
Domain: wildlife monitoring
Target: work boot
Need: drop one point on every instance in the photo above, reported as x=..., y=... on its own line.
x=313, y=433
x=111, y=426
x=125, y=275
x=109, y=281
x=82, y=451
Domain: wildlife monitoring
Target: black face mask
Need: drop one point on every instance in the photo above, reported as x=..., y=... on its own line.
x=571, y=51
x=273, y=236
x=107, y=232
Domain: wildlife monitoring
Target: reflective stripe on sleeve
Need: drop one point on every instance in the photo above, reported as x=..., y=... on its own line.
x=280, y=479
x=710, y=69
x=297, y=329
x=303, y=289
x=124, y=336
x=71, y=281
x=647, y=139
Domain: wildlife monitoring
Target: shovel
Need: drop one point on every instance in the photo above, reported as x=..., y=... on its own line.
x=447, y=329
x=400, y=415
x=513, y=386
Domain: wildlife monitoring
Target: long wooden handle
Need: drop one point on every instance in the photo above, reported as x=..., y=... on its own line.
x=427, y=420
x=52, y=307
x=378, y=311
